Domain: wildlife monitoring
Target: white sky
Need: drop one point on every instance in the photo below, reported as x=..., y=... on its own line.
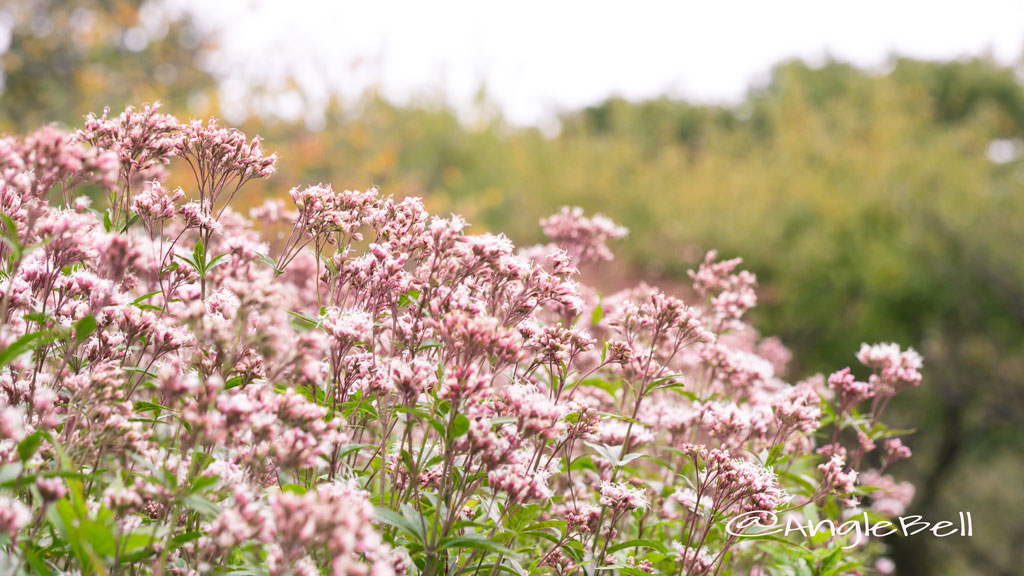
x=539, y=57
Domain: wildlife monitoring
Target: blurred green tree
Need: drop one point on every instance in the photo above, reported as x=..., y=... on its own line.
x=65, y=59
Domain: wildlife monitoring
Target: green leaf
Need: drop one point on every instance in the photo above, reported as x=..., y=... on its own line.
x=625, y=569
x=294, y=488
x=84, y=327
x=97, y=536
x=145, y=297
x=201, y=483
x=68, y=518
x=9, y=473
x=10, y=237
x=622, y=417
x=475, y=542
x=142, y=406
x=640, y=543
x=199, y=256
x=775, y=456
x=216, y=261
x=391, y=518
x=134, y=542
x=613, y=454
x=29, y=445
x=610, y=387
x=201, y=505
x=513, y=568
x=130, y=221
x=775, y=538
x=196, y=259
x=410, y=297
x=37, y=317
x=630, y=457
x=459, y=426
x=38, y=566
x=186, y=537
x=269, y=262
x=18, y=347
x=428, y=344
x=347, y=449
x=305, y=318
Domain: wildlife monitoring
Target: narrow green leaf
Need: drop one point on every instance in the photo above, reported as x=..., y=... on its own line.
x=216, y=261
x=144, y=297
x=18, y=347
x=475, y=542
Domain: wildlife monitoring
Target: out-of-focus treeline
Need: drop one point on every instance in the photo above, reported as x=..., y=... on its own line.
x=872, y=205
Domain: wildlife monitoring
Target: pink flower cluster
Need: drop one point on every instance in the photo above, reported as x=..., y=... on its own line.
x=585, y=239
x=363, y=388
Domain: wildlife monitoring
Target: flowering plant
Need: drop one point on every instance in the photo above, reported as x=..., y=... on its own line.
x=365, y=389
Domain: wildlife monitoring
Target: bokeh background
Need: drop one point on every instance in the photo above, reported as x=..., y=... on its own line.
x=865, y=161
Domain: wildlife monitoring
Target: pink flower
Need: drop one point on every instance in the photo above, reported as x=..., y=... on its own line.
x=895, y=451
x=347, y=327
x=622, y=498
x=51, y=489
x=154, y=204
x=222, y=159
x=797, y=408
x=557, y=344
x=535, y=412
x=521, y=484
x=13, y=516
x=50, y=157
x=196, y=216
x=695, y=561
x=836, y=477
x=584, y=238
x=732, y=293
x=12, y=423
x=851, y=392
x=889, y=497
x=894, y=369
x=412, y=379
x=140, y=140
x=584, y=518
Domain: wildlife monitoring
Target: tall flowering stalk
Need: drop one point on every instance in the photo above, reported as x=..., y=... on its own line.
x=390, y=394
x=142, y=142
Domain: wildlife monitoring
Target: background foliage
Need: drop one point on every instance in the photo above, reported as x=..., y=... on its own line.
x=868, y=203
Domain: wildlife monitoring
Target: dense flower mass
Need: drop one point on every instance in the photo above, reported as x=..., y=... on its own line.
x=365, y=389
